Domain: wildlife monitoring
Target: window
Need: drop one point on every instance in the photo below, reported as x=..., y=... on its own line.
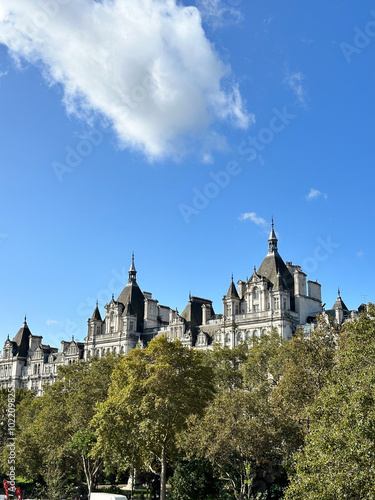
x=255, y=293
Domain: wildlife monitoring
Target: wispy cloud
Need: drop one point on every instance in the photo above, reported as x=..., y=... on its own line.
x=313, y=194
x=295, y=83
x=253, y=217
x=145, y=66
x=219, y=13
x=266, y=24
x=360, y=254
x=51, y=322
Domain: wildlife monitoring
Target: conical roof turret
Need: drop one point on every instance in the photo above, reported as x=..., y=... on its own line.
x=232, y=291
x=96, y=314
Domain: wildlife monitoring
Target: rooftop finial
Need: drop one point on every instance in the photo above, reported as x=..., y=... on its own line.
x=97, y=303
x=272, y=240
x=132, y=271
x=232, y=277
x=338, y=292
x=24, y=321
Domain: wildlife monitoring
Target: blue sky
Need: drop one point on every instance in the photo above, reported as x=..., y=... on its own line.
x=177, y=130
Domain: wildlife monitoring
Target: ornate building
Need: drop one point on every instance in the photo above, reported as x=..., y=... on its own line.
x=277, y=296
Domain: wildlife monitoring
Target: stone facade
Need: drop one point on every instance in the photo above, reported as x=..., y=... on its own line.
x=277, y=296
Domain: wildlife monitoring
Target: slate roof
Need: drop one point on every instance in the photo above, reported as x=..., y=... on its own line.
x=22, y=340
x=96, y=314
x=271, y=266
x=340, y=304
x=129, y=310
x=192, y=313
x=232, y=291
x=132, y=293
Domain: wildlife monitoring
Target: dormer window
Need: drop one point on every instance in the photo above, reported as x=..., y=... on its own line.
x=255, y=293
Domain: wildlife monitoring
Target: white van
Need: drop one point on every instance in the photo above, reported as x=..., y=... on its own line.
x=107, y=496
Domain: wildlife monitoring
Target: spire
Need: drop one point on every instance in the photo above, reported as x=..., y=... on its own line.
x=272, y=240
x=232, y=291
x=279, y=285
x=132, y=272
x=24, y=321
x=339, y=304
x=96, y=314
x=129, y=310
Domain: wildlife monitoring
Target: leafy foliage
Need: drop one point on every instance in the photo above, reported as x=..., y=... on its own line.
x=153, y=391
x=339, y=457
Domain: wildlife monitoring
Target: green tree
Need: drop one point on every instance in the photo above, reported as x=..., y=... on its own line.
x=265, y=363
x=243, y=433
x=153, y=391
x=339, y=457
x=227, y=365
x=194, y=479
x=308, y=362
x=338, y=461
x=54, y=440
x=241, y=437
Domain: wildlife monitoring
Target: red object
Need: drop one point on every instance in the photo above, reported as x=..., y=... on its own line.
x=8, y=485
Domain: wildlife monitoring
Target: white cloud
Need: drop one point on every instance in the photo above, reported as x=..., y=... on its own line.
x=146, y=66
x=219, y=13
x=259, y=221
x=313, y=194
x=52, y=322
x=294, y=82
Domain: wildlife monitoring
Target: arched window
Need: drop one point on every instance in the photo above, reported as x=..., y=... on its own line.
x=255, y=293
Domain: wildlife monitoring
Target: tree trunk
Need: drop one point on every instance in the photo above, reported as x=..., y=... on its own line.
x=163, y=475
